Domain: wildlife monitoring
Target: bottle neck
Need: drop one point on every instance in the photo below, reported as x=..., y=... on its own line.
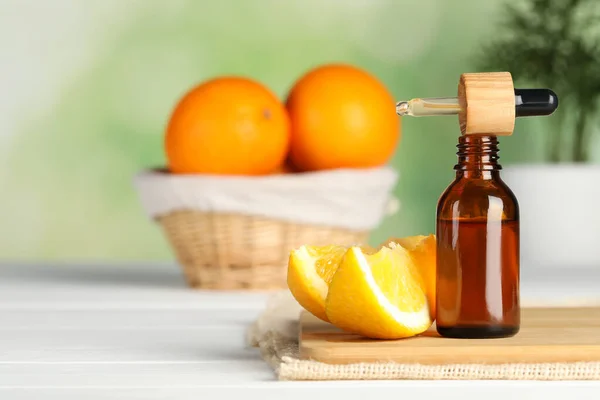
x=478, y=157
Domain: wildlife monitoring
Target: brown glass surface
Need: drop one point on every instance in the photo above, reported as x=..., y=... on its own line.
x=477, y=248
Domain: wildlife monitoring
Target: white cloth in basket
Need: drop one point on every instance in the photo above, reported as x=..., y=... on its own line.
x=352, y=199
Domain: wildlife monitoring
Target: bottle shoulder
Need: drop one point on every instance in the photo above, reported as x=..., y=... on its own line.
x=471, y=198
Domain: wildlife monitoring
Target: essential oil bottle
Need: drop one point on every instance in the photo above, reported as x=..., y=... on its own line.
x=477, y=247
x=477, y=218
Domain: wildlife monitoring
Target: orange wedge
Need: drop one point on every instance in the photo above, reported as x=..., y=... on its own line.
x=422, y=249
x=378, y=295
x=310, y=270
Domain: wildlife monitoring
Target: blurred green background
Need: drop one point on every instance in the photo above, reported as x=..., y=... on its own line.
x=88, y=88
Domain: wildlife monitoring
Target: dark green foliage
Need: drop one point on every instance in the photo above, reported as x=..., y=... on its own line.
x=555, y=44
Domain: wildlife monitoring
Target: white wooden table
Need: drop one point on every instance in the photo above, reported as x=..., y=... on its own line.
x=137, y=332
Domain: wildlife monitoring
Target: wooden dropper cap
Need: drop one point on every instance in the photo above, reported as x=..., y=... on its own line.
x=487, y=102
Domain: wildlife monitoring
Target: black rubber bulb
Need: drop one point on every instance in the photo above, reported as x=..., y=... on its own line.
x=532, y=102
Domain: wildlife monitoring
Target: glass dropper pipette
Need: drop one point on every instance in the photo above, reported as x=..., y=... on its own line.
x=428, y=107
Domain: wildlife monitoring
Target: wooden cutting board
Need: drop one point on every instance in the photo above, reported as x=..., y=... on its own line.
x=546, y=335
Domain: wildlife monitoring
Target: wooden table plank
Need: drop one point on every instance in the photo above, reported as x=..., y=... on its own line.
x=77, y=287
x=360, y=390
x=119, y=345
x=125, y=374
x=63, y=319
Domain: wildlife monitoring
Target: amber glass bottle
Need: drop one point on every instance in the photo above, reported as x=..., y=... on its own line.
x=477, y=247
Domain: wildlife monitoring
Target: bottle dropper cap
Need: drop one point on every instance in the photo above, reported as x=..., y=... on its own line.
x=487, y=104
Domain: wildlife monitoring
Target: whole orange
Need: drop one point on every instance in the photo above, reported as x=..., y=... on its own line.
x=342, y=117
x=228, y=125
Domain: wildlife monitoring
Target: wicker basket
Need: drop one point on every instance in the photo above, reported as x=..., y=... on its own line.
x=235, y=251
x=236, y=232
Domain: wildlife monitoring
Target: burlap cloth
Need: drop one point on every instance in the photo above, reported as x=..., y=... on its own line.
x=275, y=333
